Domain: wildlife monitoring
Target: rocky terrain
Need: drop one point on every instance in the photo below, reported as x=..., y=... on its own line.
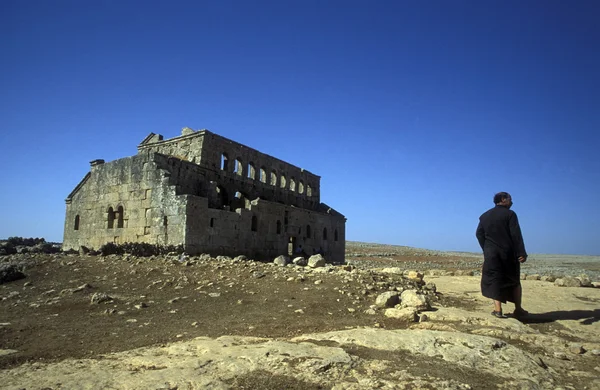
x=390, y=318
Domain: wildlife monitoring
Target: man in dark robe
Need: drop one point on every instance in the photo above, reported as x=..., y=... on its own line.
x=499, y=235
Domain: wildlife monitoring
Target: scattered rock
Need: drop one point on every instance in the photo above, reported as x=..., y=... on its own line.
x=392, y=270
x=567, y=281
x=410, y=298
x=316, y=261
x=533, y=277
x=584, y=280
x=387, y=299
x=100, y=297
x=576, y=349
x=300, y=261
x=406, y=314
x=281, y=261
x=415, y=276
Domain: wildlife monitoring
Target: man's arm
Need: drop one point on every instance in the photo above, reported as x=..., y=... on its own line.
x=480, y=234
x=517, y=237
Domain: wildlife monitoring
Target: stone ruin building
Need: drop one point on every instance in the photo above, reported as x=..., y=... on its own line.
x=205, y=192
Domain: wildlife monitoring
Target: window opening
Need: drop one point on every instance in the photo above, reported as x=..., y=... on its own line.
x=282, y=181
x=254, y=223
x=251, y=171
x=120, y=217
x=224, y=162
x=307, y=231
x=273, y=178
x=324, y=233
x=263, y=175
x=278, y=227
x=301, y=187
x=238, y=167
x=111, y=218
x=165, y=222
x=308, y=190
x=76, y=227
x=335, y=235
x=292, y=184
x=212, y=222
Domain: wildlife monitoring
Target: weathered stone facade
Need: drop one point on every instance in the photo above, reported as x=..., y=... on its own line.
x=207, y=193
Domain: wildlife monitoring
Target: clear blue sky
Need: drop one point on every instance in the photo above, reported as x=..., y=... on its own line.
x=413, y=113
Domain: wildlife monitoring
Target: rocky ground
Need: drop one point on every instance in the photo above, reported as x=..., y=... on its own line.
x=166, y=322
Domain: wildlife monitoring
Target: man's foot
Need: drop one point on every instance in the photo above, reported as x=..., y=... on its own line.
x=520, y=313
x=498, y=314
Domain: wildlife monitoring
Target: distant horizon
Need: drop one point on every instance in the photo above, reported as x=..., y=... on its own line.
x=382, y=244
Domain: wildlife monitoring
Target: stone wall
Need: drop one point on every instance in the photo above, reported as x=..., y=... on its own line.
x=127, y=200
x=238, y=168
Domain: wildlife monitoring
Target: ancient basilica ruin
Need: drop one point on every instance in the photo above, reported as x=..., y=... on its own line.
x=207, y=193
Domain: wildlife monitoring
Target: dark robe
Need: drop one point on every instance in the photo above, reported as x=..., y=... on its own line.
x=499, y=235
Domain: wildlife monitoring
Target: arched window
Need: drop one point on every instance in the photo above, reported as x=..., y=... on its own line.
x=273, y=178
x=324, y=233
x=278, y=227
x=307, y=231
x=292, y=184
x=254, y=223
x=110, y=218
x=308, y=190
x=282, y=181
x=238, y=167
x=224, y=162
x=300, y=187
x=251, y=171
x=263, y=175
x=76, y=226
x=335, y=235
x=120, y=217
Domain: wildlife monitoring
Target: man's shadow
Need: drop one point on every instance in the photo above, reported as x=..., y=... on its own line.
x=588, y=316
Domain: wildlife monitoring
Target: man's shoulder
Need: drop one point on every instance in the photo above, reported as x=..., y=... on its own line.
x=497, y=212
x=488, y=212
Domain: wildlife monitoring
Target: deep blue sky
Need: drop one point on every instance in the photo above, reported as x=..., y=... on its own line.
x=413, y=113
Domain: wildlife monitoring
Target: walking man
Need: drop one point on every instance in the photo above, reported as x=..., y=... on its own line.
x=499, y=235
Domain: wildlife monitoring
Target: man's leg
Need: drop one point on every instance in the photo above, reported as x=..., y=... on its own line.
x=519, y=311
x=497, y=306
x=518, y=295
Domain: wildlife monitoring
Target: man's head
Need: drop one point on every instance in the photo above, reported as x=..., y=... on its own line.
x=503, y=199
